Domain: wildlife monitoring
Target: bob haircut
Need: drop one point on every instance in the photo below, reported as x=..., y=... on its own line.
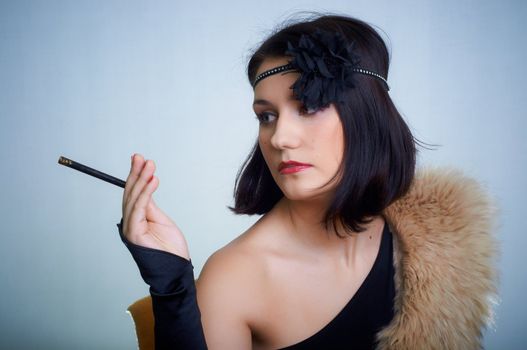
x=380, y=151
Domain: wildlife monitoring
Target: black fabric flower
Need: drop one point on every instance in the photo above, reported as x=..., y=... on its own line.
x=326, y=62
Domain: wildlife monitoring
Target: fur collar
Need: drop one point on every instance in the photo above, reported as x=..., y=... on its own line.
x=444, y=253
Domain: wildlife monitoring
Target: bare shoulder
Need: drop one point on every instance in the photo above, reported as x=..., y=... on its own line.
x=231, y=266
x=232, y=286
x=240, y=266
x=243, y=259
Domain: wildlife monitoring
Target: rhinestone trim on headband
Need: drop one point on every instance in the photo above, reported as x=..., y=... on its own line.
x=373, y=74
x=275, y=70
x=289, y=66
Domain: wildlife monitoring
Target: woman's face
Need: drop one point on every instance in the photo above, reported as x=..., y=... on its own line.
x=288, y=132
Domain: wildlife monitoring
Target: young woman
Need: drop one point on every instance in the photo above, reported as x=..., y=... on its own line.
x=354, y=249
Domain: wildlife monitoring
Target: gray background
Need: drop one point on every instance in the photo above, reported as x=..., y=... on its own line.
x=99, y=80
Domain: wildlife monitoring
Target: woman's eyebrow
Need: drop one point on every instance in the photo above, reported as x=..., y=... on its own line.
x=263, y=102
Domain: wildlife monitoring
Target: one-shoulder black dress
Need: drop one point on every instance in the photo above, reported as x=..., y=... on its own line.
x=178, y=319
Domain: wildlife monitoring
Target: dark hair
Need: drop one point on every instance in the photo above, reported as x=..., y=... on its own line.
x=380, y=151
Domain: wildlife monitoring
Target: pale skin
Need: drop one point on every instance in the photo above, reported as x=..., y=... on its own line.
x=286, y=277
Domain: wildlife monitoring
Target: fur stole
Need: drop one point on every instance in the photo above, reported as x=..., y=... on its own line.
x=444, y=258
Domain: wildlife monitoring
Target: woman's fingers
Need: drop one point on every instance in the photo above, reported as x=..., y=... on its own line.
x=144, y=177
x=137, y=164
x=134, y=212
x=135, y=171
x=139, y=209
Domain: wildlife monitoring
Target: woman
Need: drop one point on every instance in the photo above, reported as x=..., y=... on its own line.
x=352, y=249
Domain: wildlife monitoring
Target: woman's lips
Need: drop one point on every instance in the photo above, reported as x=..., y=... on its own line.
x=292, y=166
x=294, y=169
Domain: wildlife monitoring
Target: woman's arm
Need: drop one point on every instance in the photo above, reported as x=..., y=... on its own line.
x=178, y=323
x=160, y=251
x=176, y=313
x=228, y=300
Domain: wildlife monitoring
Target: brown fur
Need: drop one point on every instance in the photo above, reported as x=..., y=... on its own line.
x=444, y=253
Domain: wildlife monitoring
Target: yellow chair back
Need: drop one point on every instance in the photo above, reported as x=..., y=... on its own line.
x=143, y=317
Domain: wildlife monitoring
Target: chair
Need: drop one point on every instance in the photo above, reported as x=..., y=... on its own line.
x=143, y=318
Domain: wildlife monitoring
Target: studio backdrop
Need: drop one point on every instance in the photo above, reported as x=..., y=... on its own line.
x=97, y=81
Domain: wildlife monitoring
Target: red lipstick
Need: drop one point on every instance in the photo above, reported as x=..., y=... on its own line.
x=292, y=166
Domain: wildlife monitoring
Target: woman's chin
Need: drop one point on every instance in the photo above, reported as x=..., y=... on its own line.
x=302, y=194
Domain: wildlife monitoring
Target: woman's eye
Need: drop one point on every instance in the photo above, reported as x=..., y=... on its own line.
x=304, y=110
x=268, y=117
x=265, y=117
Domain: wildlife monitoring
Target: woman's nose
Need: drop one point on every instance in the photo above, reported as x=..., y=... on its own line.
x=286, y=133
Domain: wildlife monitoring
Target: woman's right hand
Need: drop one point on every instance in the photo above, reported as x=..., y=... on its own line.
x=144, y=223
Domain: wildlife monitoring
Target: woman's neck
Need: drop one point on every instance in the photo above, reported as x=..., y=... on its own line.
x=303, y=225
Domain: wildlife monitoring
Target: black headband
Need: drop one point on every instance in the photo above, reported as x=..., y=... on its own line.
x=327, y=63
x=289, y=67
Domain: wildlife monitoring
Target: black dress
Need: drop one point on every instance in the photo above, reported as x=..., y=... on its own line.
x=178, y=319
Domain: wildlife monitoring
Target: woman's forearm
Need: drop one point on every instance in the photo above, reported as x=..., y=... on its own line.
x=173, y=291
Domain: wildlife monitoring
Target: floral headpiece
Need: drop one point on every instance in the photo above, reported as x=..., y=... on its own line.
x=327, y=63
